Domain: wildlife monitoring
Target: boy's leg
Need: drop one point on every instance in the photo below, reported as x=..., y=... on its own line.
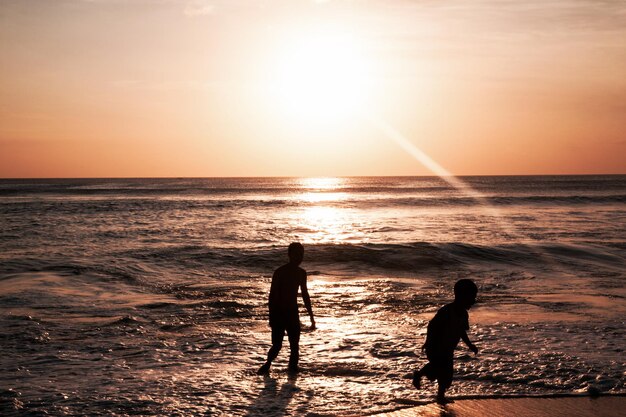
x=417, y=375
x=278, y=332
x=417, y=379
x=293, y=333
x=441, y=394
x=444, y=380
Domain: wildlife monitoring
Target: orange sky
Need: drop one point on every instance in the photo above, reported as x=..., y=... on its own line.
x=114, y=88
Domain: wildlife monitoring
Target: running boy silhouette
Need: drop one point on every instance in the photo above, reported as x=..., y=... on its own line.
x=283, y=306
x=449, y=325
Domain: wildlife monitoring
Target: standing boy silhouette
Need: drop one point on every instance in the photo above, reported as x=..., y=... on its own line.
x=283, y=306
x=449, y=325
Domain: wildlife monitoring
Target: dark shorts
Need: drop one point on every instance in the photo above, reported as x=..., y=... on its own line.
x=289, y=324
x=284, y=319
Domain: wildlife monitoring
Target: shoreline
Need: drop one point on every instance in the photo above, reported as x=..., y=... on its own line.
x=540, y=405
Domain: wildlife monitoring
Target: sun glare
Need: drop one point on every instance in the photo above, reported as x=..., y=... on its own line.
x=321, y=183
x=320, y=190
x=322, y=78
x=326, y=224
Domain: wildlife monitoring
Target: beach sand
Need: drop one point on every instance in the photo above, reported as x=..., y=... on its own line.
x=605, y=406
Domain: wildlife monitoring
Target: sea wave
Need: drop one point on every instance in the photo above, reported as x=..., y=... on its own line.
x=134, y=266
x=391, y=257
x=101, y=203
x=396, y=185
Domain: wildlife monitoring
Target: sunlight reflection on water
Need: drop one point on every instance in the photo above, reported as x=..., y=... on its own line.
x=318, y=197
x=329, y=225
x=324, y=183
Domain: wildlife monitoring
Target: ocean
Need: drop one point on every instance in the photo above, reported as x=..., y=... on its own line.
x=149, y=296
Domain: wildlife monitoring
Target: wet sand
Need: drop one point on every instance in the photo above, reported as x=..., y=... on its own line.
x=605, y=406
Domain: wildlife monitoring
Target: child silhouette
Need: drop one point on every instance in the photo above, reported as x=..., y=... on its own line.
x=449, y=325
x=283, y=307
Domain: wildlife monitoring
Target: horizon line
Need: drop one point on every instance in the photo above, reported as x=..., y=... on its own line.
x=313, y=176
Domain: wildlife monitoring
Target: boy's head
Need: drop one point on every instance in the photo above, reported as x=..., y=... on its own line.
x=465, y=292
x=296, y=253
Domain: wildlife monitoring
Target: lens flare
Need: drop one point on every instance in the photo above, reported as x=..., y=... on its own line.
x=393, y=134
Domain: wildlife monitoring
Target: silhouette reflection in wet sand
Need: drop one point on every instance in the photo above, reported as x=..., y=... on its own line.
x=274, y=401
x=283, y=307
x=449, y=325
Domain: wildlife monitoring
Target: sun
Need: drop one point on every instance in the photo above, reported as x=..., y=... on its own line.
x=321, y=78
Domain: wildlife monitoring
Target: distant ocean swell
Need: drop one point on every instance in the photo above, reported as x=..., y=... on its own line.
x=416, y=256
x=101, y=202
x=34, y=189
x=409, y=256
x=277, y=186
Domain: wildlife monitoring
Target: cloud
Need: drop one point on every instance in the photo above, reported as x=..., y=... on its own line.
x=199, y=8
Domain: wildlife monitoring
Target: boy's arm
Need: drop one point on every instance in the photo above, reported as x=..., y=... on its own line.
x=271, y=299
x=272, y=296
x=307, y=300
x=469, y=344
